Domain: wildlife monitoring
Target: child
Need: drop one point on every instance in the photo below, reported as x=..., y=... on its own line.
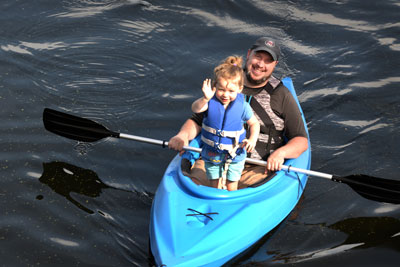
x=222, y=133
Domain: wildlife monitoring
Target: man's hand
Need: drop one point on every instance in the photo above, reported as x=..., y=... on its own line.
x=275, y=160
x=177, y=143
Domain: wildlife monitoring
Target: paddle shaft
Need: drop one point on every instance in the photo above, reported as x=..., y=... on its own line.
x=155, y=141
x=294, y=169
x=372, y=188
x=248, y=160
x=86, y=130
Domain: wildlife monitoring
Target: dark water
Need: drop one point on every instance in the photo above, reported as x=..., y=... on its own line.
x=135, y=66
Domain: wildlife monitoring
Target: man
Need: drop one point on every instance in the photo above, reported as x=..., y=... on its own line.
x=274, y=106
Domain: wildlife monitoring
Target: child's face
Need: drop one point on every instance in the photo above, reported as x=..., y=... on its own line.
x=227, y=90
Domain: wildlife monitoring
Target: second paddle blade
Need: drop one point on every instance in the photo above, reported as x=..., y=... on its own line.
x=373, y=188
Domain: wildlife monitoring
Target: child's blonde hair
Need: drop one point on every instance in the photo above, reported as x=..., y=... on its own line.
x=230, y=68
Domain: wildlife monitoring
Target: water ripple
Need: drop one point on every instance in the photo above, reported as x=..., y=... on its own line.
x=308, y=95
x=24, y=47
x=87, y=8
x=377, y=84
x=313, y=16
x=64, y=242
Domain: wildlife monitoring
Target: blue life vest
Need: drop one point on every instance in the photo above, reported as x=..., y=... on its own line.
x=222, y=131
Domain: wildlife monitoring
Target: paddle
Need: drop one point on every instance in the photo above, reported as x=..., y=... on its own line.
x=81, y=129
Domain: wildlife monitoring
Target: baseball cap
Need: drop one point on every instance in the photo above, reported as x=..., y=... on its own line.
x=268, y=45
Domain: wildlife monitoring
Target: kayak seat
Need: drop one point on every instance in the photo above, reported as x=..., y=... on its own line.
x=252, y=176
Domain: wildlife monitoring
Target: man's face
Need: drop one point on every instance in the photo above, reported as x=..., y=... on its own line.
x=259, y=67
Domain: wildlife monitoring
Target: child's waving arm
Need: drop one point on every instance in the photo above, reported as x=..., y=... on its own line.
x=201, y=104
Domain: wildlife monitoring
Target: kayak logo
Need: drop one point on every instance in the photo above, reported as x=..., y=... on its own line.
x=270, y=43
x=198, y=219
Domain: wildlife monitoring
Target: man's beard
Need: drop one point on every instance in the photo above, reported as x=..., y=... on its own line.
x=252, y=81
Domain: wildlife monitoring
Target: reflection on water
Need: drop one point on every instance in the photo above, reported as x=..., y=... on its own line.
x=355, y=233
x=64, y=179
x=360, y=233
x=369, y=231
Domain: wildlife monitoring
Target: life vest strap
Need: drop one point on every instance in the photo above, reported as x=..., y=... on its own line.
x=217, y=145
x=224, y=133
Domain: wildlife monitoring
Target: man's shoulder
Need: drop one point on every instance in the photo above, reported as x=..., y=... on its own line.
x=274, y=82
x=274, y=86
x=278, y=85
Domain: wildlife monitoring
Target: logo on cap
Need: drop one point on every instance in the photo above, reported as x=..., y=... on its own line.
x=270, y=43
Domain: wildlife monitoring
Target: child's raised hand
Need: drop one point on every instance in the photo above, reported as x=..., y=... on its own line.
x=207, y=90
x=201, y=104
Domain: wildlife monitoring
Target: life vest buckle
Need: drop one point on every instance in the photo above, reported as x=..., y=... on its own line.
x=219, y=147
x=218, y=132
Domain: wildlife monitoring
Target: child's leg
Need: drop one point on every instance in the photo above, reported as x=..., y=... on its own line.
x=232, y=185
x=222, y=183
x=213, y=172
x=233, y=175
x=215, y=183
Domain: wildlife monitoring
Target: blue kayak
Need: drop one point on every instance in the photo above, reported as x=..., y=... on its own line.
x=194, y=225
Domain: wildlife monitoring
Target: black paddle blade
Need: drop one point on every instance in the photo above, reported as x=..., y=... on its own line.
x=373, y=188
x=74, y=127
